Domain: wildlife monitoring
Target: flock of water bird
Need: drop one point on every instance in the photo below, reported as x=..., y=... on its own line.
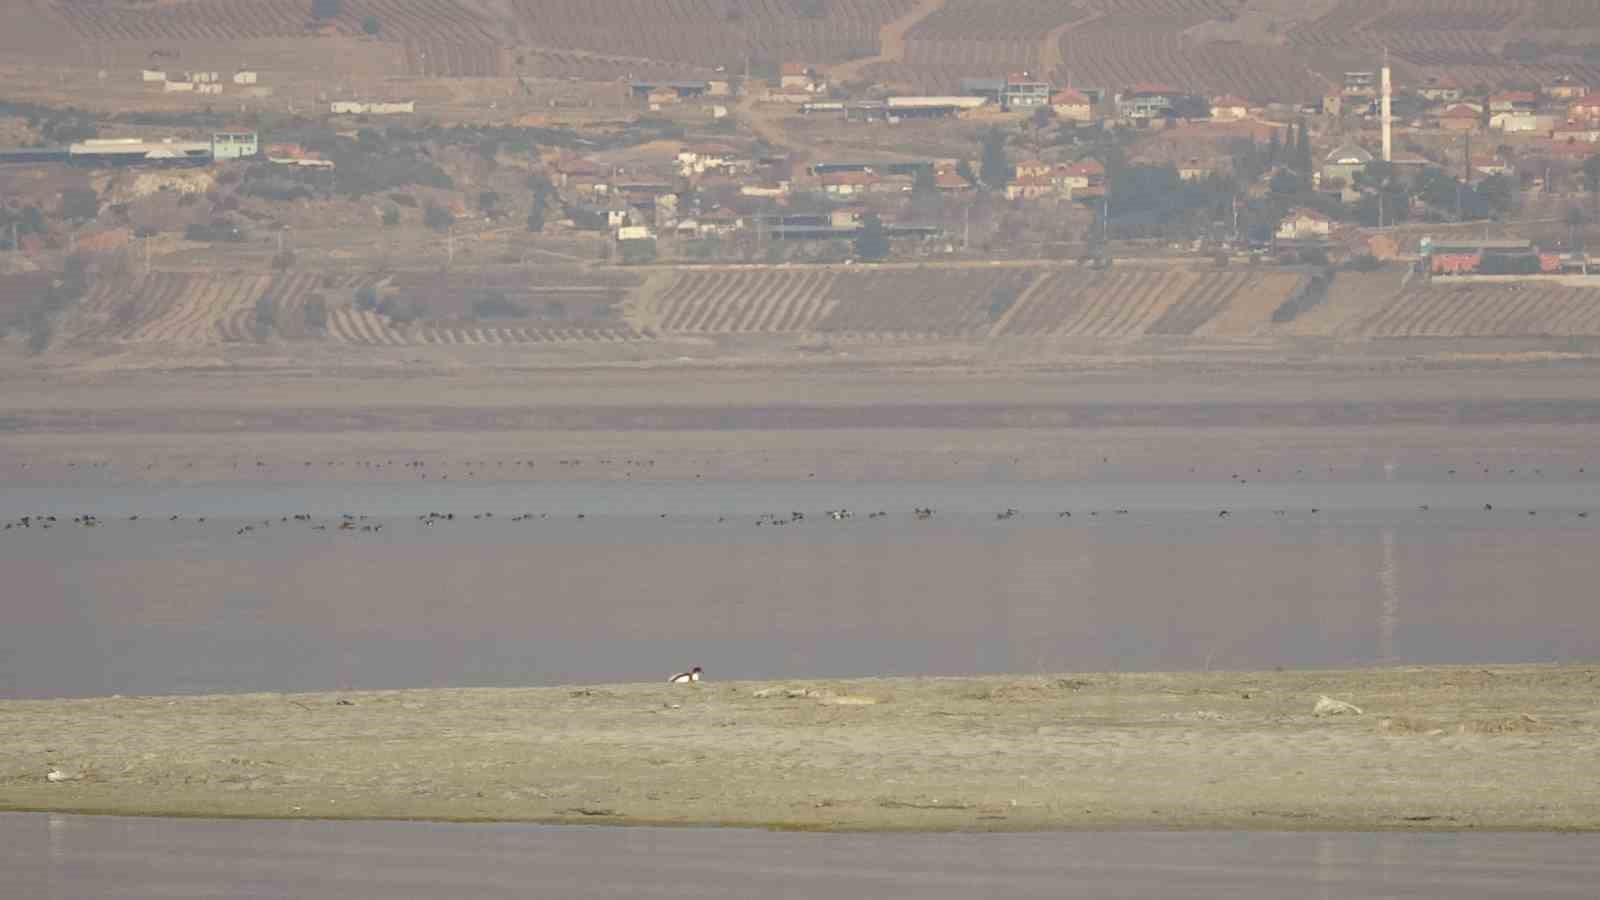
x=470, y=468
x=366, y=524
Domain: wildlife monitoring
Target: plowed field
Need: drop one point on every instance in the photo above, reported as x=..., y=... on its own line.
x=1488, y=310
x=1131, y=303
x=728, y=302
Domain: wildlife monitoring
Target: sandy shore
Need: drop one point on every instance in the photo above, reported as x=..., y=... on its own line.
x=1499, y=747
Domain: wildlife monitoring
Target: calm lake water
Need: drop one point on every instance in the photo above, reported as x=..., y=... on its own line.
x=623, y=594
x=64, y=857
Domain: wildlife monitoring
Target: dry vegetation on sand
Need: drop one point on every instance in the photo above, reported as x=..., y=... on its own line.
x=1434, y=748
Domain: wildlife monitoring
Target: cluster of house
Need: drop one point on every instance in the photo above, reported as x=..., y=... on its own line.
x=1497, y=257
x=714, y=189
x=1035, y=180
x=201, y=82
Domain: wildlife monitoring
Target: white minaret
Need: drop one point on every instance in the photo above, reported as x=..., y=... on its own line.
x=1388, y=120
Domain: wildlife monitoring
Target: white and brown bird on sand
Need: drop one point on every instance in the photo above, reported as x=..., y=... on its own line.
x=689, y=677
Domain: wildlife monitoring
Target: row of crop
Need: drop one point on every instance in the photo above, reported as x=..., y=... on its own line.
x=439, y=59
x=1250, y=307
x=990, y=56
x=743, y=13
x=744, y=301
x=245, y=19
x=1497, y=18
x=931, y=78
x=703, y=33
x=1198, y=304
x=706, y=45
x=1124, y=304
x=1562, y=15
x=1125, y=58
x=985, y=19
x=944, y=303
x=1158, y=15
x=1344, y=18
x=1488, y=310
x=503, y=335
x=593, y=67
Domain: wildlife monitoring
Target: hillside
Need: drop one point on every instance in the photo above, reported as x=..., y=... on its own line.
x=1248, y=47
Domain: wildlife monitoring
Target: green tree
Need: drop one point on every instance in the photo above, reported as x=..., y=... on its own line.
x=1302, y=151
x=316, y=313
x=266, y=315
x=870, y=242
x=326, y=9
x=1497, y=194
x=637, y=252
x=79, y=204
x=371, y=25
x=1285, y=183
x=437, y=217
x=995, y=168
x=1591, y=174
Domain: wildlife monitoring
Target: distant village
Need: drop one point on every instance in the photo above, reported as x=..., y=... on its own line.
x=1351, y=177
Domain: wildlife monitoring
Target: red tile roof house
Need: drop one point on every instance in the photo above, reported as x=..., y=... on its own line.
x=800, y=75
x=1081, y=178
x=847, y=184
x=1585, y=110
x=1460, y=118
x=1509, y=101
x=1073, y=105
x=1229, y=107
x=950, y=183
x=1304, y=223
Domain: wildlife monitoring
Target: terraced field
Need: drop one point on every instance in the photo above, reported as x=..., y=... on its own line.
x=706, y=33
x=897, y=304
x=735, y=301
x=226, y=20
x=1459, y=39
x=1127, y=56
x=190, y=308
x=1131, y=303
x=943, y=303
x=920, y=304
x=195, y=309
x=1480, y=309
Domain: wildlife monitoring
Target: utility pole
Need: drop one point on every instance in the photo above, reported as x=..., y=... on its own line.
x=450, y=245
